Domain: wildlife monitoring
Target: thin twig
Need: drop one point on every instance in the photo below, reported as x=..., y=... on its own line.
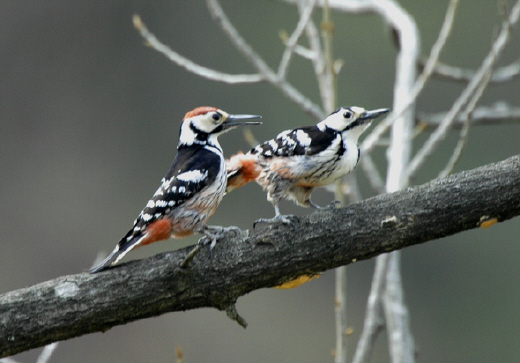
x=46, y=354
x=374, y=319
x=189, y=65
x=254, y=58
x=500, y=75
x=373, y=176
x=483, y=115
x=317, y=59
x=371, y=140
x=396, y=313
x=303, y=52
x=340, y=312
x=457, y=152
x=327, y=76
x=290, y=44
x=487, y=65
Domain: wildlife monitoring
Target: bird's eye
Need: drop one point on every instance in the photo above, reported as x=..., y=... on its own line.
x=216, y=116
x=347, y=115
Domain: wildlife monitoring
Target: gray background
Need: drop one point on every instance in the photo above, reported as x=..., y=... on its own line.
x=89, y=122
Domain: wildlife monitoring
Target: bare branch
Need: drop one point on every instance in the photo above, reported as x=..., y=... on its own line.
x=374, y=319
x=466, y=115
x=46, y=354
x=483, y=115
x=371, y=140
x=290, y=44
x=340, y=312
x=373, y=176
x=399, y=333
x=70, y=306
x=500, y=75
x=396, y=313
x=189, y=65
x=254, y=58
x=487, y=65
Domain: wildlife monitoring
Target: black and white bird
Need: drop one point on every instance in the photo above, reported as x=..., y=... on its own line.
x=297, y=161
x=191, y=191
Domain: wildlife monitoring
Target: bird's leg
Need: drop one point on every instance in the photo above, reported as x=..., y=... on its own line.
x=333, y=205
x=285, y=219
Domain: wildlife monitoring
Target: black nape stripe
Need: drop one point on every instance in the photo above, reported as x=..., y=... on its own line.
x=199, y=135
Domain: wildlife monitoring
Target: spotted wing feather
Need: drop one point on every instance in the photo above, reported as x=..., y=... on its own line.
x=192, y=170
x=308, y=140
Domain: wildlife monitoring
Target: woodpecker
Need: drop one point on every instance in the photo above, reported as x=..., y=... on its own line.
x=192, y=189
x=297, y=161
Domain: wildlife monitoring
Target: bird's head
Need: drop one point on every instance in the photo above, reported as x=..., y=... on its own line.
x=351, y=120
x=205, y=124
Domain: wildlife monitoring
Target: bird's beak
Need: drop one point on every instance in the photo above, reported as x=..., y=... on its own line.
x=234, y=121
x=370, y=115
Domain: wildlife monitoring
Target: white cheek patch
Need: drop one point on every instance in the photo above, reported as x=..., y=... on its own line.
x=192, y=176
x=187, y=135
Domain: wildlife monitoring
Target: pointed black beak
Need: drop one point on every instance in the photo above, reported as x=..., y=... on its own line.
x=234, y=121
x=370, y=115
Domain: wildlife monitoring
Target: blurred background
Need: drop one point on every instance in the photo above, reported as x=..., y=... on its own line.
x=89, y=121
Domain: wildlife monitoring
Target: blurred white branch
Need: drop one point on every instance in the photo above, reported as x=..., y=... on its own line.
x=265, y=73
x=473, y=86
x=189, y=65
x=483, y=115
x=290, y=44
x=386, y=299
x=466, y=116
x=44, y=356
x=254, y=58
x=500, y=75
x=372, y=139
x=374, y=178
x=396, y=313
x=374, y=318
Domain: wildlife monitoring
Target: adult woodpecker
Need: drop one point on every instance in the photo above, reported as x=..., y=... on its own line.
x=192, y=189
x=297, y=161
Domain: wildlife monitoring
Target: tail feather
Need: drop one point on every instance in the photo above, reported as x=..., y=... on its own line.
x=241, y=169
x=122, y=248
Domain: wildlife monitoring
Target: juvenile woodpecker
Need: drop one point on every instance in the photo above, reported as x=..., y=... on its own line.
x=291, y=165
x=192, y=189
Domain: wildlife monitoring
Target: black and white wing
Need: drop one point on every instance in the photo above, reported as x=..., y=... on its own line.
x=308, y=140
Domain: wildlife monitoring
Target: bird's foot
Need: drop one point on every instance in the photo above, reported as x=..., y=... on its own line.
x=279, y=218
x=329, y=207
x=211, y=235
x=214, y=233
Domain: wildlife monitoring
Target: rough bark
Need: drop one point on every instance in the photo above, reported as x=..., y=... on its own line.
x=70, y=306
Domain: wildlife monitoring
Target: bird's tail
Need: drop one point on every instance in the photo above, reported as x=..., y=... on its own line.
x=122, y=248
x=241, y=169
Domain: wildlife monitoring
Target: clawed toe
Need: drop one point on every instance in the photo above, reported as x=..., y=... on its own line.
x=285, y=219
x=334, y=204
x=329, y=207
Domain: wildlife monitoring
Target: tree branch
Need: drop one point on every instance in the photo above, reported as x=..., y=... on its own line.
x=481, y=76
x=450, y=73
x=483, y=115
x=70, y=306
